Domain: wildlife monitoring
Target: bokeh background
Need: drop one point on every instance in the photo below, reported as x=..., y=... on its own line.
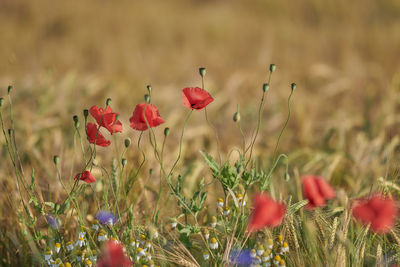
x=64, y=56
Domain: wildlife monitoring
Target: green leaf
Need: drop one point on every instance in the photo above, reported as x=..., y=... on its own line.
x=214, y=166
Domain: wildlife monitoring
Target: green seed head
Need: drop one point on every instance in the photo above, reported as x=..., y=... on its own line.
x=85, y=113
x=265, y=87
x=293, y=86
x=166, y=132
x=124, y=161
x=127, y=142
x=56, y=159
x=202, y=72
x=272, y=67
x=9, y=88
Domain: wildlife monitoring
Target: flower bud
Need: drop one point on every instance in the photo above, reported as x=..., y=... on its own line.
x=108, y=101
x=166, y=131
x=85, y=113
x=1, y=102
x=151, y=171
x=127, y=142
x=56, y=159
x=293, y=86
x=287, y=176
x=10, y=132
x=272, y=67
x=116, y=117
x=202, y=72
x=265, y=87
x=236, y=117
x=9, y=88
x=76, y=121
x=124, y=161
x=149, y=88
x=147, y=98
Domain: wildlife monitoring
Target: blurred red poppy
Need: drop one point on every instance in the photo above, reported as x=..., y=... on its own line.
x=94, y=134
x=267, y=213
x=138, y=121
x=317, y=191
x=379, y=211
x=85, y=176
x=113, y=256
x=108, y=119
x=196, y=98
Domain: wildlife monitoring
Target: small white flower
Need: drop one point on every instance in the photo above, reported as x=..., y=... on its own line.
x=78, y=258
x=148, y=256
x=47, y=255
x=267, y=264
x=206, y=236
x=140, y=252
x=102, y=236
x=277, y=259
x=213, y=243
x=132, y=242
x=174, y=224
x=70, y=246
x=227, y=211
x=81, y=234
x=95, y=225
x=206, y=256
x=148, y=245
x=285, y=248
x=80, y=242
x=88, y=263
x=57, y=247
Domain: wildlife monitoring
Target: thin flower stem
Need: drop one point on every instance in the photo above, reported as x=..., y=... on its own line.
x=216, y=135
x=260, y=109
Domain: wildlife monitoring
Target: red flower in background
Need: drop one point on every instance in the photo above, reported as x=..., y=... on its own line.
x=85, y=176
x=113, y=256
x=152, y=116
x=107, y=118
x=196, y=98
x=94, y=134
x=379, y=211
x=267, y=213
x=317, y=191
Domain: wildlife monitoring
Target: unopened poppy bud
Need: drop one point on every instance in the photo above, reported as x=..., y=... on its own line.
x=293, y=86
x=287, y=176
x=1, y=102
x=9, y=88
x=10, y=132
x=56, y=159
x=124, y=161
x=272, y=67
x=265, y=87
x=127, y=142
x=147, y=98
x=85, y=113
x=236, y=117
x=76, y=121
x=116, y=117
x=202, y=72
x=108, y=101
x=166, y=132
x=149, y=88
x=151, y=171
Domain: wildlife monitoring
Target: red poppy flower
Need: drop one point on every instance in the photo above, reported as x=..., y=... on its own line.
x=113, y=256
x=107, y=118
x=381, y=212
x=93, y=134
x=317, y=191
x=267, y=213
x=196, y=98
x=152, y=116
x=85, y=176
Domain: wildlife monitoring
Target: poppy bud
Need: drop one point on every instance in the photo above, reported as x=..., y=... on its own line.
x=147, y=98
x=265, y=87
x=76, y=121
x=202, y=72
x=56, y=160
x=127, y=142
x=10, y=132
x=124, y=161
x=287, y=176
x=272, y=67
x=85, y=113
x=1, y=102
x=9, y=89
x=293, y=86
x=108, y=101
x=149, y=88
x=116, y=117
x=151, y=171
x=166, y=131
x=236, y=117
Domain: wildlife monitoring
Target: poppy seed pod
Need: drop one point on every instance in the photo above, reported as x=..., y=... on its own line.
x=56, y=159
x=127, y=142
x=124, y=161
x=108, y=101
x=85, y=113
x=265, y=87
x=236, y=117
x=202, y=72
x=149, y=88
x=166, y=131
x=1, y=102
x=147, y=98
x=9, y=88
x=287, y=176
x=272, y=67
x=293, y=86
x=76, y=121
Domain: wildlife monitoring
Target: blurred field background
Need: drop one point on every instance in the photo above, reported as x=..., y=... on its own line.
x=64, y=56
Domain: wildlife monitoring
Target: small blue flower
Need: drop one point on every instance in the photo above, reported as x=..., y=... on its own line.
x=53, y=222
x=106, y=217
x=240, y=257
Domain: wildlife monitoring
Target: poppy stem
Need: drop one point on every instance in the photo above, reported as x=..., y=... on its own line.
x=216, y=135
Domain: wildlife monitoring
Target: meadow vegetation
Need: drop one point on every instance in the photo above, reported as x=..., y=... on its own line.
x=171, y=188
